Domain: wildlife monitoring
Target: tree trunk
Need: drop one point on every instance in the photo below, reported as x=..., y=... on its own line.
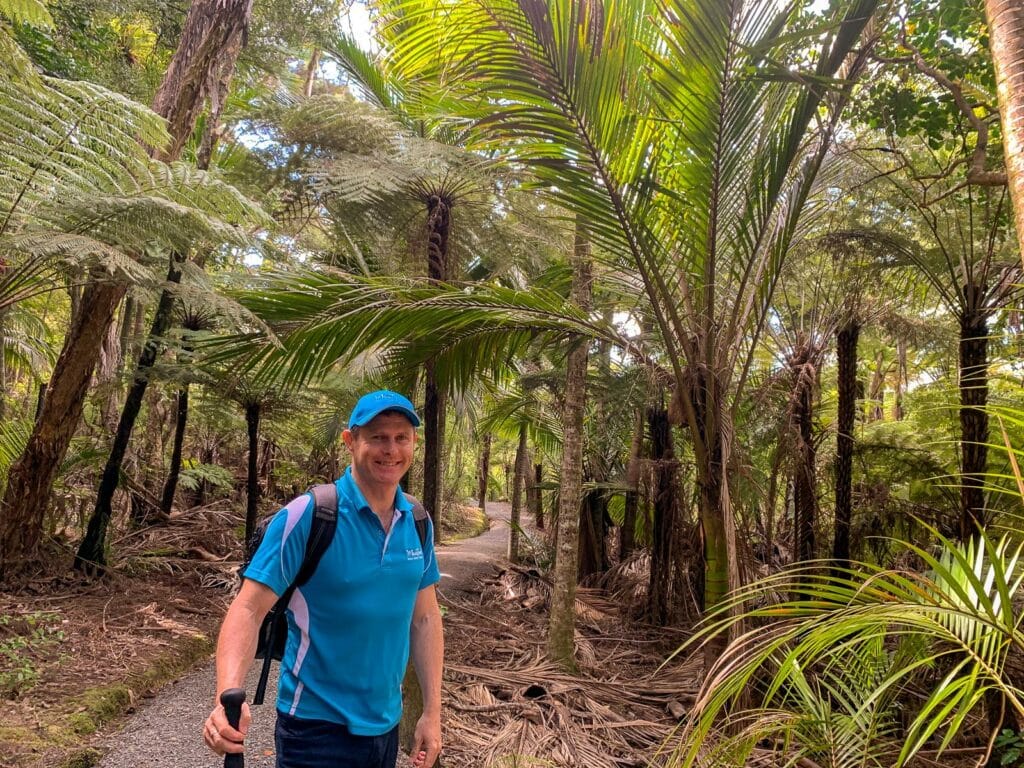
x=590, y=555
x=973, y=421
x=438, y=224
x=538, y=496
x=252, y=494
x=31, y=477
x=1006, y=41
x=485, y=472
x=721, y=568
x=846, y=353
x=211, y=40
x=518, y=486
x=805, y=499
x=561, y=622
x=627, y=534
x=876, y=394
x=661, y=591
x=174, y=472
x=91, y=557
x=901, y=379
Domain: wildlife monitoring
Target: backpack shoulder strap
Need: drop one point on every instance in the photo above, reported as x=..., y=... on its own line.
x=321, y=530
x=420, y=516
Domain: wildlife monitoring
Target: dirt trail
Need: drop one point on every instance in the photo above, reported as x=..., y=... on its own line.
x=165, y=733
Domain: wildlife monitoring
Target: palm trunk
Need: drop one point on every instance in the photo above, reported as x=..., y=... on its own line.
x=846, y=353
x=1006, y=41
x=561, y=622
x=31, y=477
x=518, y=485
x=252, y=495
x=721, y=572
x=91, y=557
x=973, y=421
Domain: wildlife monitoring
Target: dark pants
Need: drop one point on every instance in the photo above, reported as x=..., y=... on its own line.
x=320, y=744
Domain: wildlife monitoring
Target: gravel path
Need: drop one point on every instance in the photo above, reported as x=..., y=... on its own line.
x=166, y=731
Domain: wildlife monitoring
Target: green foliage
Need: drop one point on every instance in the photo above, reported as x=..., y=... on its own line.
x=193, y=474
x=954, y=625
x=22, y=638
x=1010, y=746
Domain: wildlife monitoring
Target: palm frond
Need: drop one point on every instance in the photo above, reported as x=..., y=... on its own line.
x=959, y=612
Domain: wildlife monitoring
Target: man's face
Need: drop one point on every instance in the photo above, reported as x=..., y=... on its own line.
x=382, y=449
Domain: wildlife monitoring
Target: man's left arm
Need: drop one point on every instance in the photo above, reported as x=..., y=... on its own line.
x=426, y=642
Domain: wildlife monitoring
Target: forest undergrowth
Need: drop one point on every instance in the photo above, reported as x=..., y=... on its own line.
x=77, y=657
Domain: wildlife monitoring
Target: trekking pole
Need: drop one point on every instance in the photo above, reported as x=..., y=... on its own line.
x=232, y=700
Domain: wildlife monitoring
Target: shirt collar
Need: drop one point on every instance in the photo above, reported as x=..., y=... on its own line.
x=350, y=489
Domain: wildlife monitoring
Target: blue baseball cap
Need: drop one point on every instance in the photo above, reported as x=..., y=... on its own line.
x=375, y=403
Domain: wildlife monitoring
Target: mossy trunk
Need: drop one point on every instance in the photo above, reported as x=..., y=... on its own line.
x=561, y=621
x=30, y=478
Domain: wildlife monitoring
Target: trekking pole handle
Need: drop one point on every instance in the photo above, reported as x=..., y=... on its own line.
x=232, y=700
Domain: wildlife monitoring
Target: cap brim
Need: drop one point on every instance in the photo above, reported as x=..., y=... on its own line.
x=410, y=415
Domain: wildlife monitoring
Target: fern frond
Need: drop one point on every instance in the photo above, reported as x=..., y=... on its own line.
x=32, y=12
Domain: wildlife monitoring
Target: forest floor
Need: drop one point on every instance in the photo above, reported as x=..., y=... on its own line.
x=76, y=658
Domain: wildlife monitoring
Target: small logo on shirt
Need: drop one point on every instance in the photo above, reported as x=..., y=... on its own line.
x=414, y=554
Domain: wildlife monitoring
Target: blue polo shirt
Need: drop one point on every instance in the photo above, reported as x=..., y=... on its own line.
x=348, y=626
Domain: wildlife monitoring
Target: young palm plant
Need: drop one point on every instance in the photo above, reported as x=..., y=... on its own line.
x=945, y=632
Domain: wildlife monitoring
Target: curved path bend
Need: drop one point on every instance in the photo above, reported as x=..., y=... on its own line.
x=166, y=731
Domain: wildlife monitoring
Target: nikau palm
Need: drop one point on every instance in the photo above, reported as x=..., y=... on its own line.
x=674, y=131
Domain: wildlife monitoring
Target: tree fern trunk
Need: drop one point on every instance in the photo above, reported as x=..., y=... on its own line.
x=561, y=621
x=538, y=496
x=91, y=557
x=627, y=534
x=805, y=500
x=660, y=593
x=174, y=472
x=973, y=421
x=518, y=486
x=485, y=471
x=31, y=477
x=846, y=353
x=438, y=224
x=252, y=484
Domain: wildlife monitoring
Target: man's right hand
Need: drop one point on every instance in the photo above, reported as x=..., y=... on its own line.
x=220, y=736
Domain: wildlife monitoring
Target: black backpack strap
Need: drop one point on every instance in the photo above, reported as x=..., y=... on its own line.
x=321, y=531
x=420, y=516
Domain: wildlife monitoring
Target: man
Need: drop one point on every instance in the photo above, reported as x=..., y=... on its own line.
x=353, y=624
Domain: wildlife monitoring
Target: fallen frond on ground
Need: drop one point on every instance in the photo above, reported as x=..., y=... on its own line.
x=506, y=705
